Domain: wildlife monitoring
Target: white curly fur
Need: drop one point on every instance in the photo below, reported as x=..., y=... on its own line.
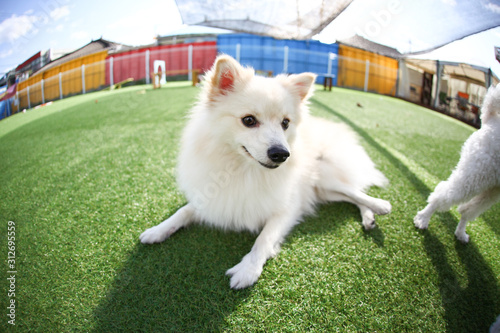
x=475, y=182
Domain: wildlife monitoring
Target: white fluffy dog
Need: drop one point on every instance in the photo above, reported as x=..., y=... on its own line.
x=475, y=182
x=253, y=159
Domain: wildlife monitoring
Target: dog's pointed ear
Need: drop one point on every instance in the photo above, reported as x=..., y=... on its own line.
x=225, y=73
x=302, y=84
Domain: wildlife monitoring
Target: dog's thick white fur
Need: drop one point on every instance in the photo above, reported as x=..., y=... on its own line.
x=475, y=182
x=252, y=158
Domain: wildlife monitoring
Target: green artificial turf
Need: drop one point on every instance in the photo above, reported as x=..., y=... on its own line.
x=83, y=177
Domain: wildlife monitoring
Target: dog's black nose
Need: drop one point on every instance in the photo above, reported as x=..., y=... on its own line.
x=278, y=154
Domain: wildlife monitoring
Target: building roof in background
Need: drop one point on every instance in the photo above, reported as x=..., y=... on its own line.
x=92, y=47
x=26, y=62
x=365, y=44
x=191, y=33
x=190, y=30
x=471, y=73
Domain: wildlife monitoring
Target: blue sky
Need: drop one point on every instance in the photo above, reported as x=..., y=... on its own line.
x=29, y=26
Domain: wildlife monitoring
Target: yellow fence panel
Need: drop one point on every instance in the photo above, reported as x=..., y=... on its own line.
x=23, y=98
x=64, y=80
x=51, y=88
x=353, y=65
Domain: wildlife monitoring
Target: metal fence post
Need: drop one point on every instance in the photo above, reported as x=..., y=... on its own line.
x=285, y=60
x=147, y=66
x=330, y=58
x=60, y=86
x=43, y=95
x=190, y=62
x=367, y=73
x=111, y=72
x=439, y=73
x=238, y=52
x=83, y=79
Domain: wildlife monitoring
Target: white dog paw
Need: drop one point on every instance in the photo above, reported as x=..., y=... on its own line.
x=368, y=220
x=421, y=221
x=463, y=237
x=369, y=224
x=382, y=207
x=244, y=274
x=153, y=235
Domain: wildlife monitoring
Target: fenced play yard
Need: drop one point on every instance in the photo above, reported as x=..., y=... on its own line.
x=82, y=178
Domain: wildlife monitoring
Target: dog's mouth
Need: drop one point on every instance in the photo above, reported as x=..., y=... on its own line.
x=269, y=166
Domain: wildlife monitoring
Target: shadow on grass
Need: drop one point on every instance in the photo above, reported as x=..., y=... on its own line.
x=179, y=285
x=376, y=234
x=469, y=308
x=490, y=217
x=330, y=216
x=472, y=308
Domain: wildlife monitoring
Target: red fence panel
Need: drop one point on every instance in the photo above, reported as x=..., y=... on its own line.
x=132, y=64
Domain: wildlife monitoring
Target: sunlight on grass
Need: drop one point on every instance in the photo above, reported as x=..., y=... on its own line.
x=83, y=177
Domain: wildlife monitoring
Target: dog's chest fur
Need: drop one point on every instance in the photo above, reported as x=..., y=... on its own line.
x=238, y=196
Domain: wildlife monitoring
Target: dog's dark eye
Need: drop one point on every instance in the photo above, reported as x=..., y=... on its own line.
x=285, y=123
x=249, y=121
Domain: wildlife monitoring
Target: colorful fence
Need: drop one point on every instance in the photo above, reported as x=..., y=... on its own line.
x=351, y=68
x=359, y=69
x=63, y=80
x=281, y=56
x=97, y=71
x=178, y=59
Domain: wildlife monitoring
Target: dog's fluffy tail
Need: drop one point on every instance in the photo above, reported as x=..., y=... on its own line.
x=491, y=104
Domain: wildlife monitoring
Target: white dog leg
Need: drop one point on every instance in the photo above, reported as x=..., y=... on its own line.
x=368, y=217
x=367, y=213
x=439, y=200
x=378, y=206
x=422, y=219
x=162, y=231
x=363, y=201
x=475, y=207
x=460, y=231
x=267, y=244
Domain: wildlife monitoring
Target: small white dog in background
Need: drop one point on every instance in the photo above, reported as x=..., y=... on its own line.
x=475, y=182
x=252, y=158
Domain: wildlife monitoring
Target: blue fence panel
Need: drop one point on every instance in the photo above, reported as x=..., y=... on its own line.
x=268, y=54
x=5, y=109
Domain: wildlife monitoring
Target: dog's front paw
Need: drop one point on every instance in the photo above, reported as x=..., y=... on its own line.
x=369, y=223
x=244, y=274
x=462, y=236
x=421, y=221
x=154, y=235
x=368, y=219
x=382, y=207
